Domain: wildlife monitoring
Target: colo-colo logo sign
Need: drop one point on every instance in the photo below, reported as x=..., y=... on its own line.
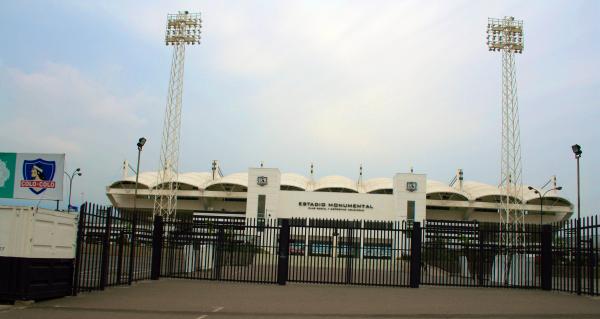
x=31, y=175
x=39, y=175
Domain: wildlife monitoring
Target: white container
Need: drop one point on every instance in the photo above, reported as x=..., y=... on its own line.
x=30, y=232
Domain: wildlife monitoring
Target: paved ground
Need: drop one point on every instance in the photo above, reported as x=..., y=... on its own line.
x=171, y=298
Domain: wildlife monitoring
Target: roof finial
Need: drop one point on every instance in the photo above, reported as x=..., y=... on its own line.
x=360, y=174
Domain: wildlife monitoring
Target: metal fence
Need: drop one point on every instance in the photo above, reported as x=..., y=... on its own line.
x=116, y=247
x=349, y=252
x=229, y=250
x=113, y=248
x=472, y=254
x=572, y=271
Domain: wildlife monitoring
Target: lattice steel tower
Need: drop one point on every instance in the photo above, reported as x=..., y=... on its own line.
x=506, y=35
x=183, y=29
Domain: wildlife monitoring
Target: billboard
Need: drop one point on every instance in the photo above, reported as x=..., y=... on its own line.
x=31, y=175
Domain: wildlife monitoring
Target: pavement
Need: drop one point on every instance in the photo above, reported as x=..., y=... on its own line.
x=195, y=299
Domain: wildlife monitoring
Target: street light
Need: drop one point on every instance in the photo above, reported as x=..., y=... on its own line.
x=542, y=198
x=140, y=145
x=71, y=176
x=577, y=151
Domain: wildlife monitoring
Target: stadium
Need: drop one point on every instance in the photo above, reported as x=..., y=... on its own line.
x=266, y=193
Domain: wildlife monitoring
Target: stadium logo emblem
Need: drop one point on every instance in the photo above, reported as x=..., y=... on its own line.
x=411, y=186
x=39, y=175
x=262, y=180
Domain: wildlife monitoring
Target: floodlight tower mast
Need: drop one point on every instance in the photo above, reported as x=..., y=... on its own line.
x=506, y=35
x=183, y=28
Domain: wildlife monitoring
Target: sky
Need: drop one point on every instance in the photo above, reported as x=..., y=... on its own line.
x=391, y=85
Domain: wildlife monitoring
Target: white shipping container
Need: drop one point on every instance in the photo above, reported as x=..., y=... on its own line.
x=30, y=232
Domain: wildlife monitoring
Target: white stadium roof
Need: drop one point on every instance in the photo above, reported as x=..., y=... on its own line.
x=471, y=190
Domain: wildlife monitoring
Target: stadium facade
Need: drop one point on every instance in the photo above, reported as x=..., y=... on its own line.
x=268, y=193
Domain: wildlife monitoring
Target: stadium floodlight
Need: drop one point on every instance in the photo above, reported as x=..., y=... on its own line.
x=505, y=35
x=183, y=28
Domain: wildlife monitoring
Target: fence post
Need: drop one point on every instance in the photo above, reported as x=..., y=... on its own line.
x=349, y=253
x=481, y=258
x=415, y=256
x=132, y=248
x=219, y=253
x=546, y=262
x=79, y=244
x=106, y=250
x=157, y=247
x=591, y=263
x=284, y=252
x=120, y=256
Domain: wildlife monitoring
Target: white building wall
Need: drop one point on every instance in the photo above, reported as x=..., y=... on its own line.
x=402, y=195
x=324, y=205
x=271, y=190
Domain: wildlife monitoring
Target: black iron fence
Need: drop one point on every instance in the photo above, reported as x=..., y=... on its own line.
x=116, y=247
x=349, y=252
x=471, y=254
x=113, y=248
x=575, y=263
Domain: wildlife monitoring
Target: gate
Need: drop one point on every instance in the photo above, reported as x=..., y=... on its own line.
x=114, y=247
x=472, y=254
x=349, y=252
x=220, y=249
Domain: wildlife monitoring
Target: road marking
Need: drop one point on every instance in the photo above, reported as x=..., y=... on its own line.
x=202, y=317
x=218, y=309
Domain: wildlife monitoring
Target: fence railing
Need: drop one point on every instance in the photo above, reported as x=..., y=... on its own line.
x=113, y=248
x=117, y=247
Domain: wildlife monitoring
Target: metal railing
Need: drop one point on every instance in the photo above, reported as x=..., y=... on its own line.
x=118, y=247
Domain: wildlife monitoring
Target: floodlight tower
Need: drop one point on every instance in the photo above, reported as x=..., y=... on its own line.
x=506, y=35
x=183, y=29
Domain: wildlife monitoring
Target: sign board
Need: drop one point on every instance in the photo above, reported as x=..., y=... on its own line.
x=31, y=175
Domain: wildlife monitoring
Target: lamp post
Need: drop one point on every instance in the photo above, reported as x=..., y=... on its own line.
x=542, y=199
x=71, y=176
x=140, y=145
x=577, y=151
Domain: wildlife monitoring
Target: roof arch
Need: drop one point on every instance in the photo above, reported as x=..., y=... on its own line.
x=442, y=191
x=335, y=183
x=483, y=192
x=145, y=180
x=292, y=181
x=237, y=182
x=551, y=198
x=382, y=185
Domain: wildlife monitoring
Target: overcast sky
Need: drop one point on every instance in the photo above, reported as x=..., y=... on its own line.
x=389, y=84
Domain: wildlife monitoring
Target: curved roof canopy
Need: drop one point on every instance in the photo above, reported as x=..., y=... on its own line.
x=382, y=185
x=146, y=180
x=291, y=181
x=483, y=192
x=551, y=198
x=336, y=183
x=442, y=191
x=237, y=182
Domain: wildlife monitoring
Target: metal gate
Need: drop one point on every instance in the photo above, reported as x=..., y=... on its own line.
x=471, y=254
x=114, y=247
x=349, y=252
